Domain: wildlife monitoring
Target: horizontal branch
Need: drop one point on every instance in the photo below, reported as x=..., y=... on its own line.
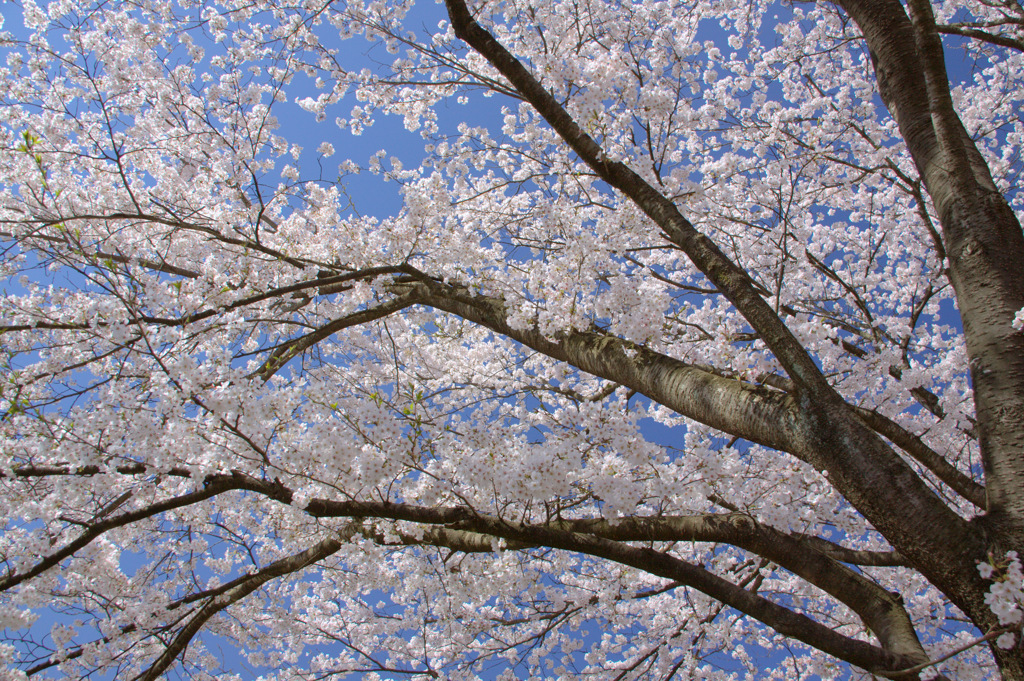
x=155, y=265
x=324, y=285
x=984, y=36
x=879, y=609
x=466, y=530
x=48, y=470
x=459, y=540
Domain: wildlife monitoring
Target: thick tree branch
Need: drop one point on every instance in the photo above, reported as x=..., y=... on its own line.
x=752, y=412
x=471, y=532
x=781, y=619
x=862, y=467
x=982, y=236
x=730, y=279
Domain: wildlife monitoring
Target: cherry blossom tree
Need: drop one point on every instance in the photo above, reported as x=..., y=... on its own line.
x=693, y=348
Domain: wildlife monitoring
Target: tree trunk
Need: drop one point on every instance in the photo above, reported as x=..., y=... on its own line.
x=985, y=249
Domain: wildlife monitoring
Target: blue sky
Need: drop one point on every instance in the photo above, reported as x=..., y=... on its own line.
x=371, y=195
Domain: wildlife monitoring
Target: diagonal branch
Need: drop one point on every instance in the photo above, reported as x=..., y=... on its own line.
x=755, y=413
x=869, y=474
x=924, y=455
x=286, y=351
x=240, y=590
x=878, y=609
x=783, y=620
x=95, y=530
x=730, y=279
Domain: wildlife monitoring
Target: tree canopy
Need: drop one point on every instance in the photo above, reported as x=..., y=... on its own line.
x=676, y=339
